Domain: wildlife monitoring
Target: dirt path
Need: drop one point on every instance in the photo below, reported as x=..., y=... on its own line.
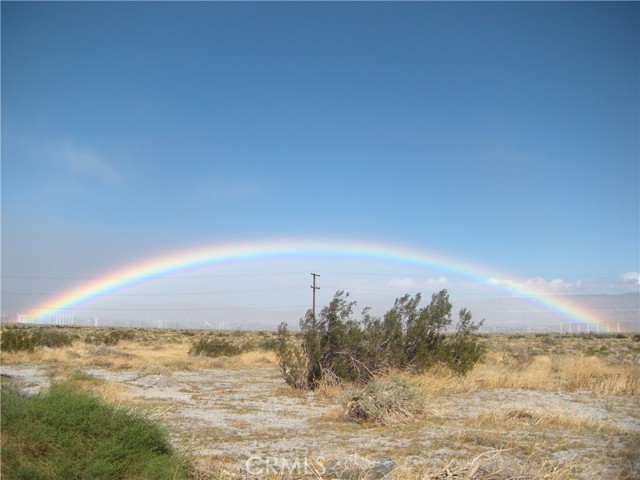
x=248, y=422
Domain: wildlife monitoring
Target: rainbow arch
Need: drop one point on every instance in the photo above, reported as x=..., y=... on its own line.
x=227, y=253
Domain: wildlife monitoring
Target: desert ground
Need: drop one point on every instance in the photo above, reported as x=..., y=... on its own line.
x=537, y=407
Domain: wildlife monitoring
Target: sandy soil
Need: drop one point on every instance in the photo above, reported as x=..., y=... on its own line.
x=248, y=422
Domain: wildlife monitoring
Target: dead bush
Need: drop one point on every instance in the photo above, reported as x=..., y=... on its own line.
x=386, y=400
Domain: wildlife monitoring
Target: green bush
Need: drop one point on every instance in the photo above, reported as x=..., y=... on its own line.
x=14, y=340
x=64, y=433
x=291, y=359
x=213, y=347
x=336, y=347
x=110, y=338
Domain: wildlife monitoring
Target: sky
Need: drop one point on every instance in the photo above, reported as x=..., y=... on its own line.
x=498, y=134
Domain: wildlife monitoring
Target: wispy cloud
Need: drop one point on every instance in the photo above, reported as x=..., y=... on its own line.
x=624, y=283
x=539, y=284
x=86, y=162
x=407, y=282
x=556, y=285
x=441, y=280
x=404, y=282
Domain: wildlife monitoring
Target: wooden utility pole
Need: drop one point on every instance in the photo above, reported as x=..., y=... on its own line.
x=314, y=288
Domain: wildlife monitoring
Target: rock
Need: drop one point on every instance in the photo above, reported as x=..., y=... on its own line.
x=158, y=381
x=104, y=351
x=356, y=467
x=381, y=469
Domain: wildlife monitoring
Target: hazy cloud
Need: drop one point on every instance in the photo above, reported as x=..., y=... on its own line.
x=627, y=282
x=555, y=285
x=540, y=284
x=86, y=162
x=441, y=280
x=404, y=282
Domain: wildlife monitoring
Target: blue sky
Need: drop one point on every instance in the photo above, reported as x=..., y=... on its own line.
x=504, y=133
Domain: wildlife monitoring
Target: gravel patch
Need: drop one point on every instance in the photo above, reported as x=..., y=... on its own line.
x=235, y=415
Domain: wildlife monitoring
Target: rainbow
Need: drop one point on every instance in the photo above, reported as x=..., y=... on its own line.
x=221, y=254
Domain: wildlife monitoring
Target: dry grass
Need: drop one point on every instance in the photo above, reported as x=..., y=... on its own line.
x=514, y=440
x=135, y=355
x=114, y=393
x=541, y=373
x=540, y=419
x=492, y=464
x=245, y=360
x=592, y=373
x=389, y=400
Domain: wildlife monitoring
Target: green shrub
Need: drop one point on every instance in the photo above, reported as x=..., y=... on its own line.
x=268, y=344
x=213, y=347
x=65, y=433
x=14, y=340
x=111, y=337
x=337, y=347
x=291, y=358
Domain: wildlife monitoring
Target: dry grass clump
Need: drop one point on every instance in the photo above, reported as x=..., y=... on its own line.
x=245, y=360
x=493, y=464
x=389, y=400
x=134, y=354
x=592, y=373
x=40, y=356
x=538, y=375
x=208, y=468
x=538, y=418
x=542, y=372
x=114, y=393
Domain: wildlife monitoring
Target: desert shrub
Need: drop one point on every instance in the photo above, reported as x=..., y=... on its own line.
x=268, y=344
x=335, y=347
x=28, y=339
x=213, y=347
x=111, y=338
x=66, y=433
x=387, y=400
x=291, y=358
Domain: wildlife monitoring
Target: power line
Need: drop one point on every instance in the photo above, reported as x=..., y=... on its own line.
x=175, y=275
x=181, y=309
x=101, y=295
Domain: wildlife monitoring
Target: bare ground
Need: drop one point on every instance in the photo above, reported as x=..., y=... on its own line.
x=247, y=423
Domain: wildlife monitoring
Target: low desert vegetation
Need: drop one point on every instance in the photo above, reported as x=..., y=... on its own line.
x=134, y=349
x=541, y=372
x=337, y=347
x=111, y=337
x=214, y=347
x=418, y=406
x=21, y=339
x=388, y=400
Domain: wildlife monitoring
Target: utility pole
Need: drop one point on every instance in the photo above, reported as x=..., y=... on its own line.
x=314, y=288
